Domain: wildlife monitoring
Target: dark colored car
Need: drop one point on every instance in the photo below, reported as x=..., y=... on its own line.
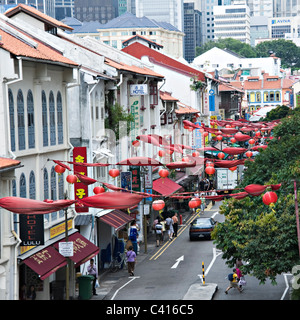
x=201, y=228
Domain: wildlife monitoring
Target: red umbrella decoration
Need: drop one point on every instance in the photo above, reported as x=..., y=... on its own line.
x=255, y=189
x=234, y=150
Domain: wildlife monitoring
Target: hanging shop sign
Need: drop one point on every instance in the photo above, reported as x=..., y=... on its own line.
x=80, y=189
x=32, y=229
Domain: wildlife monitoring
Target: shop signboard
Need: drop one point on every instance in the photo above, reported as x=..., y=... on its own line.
x=32, y=229
x=80, y=189
x=136, y=178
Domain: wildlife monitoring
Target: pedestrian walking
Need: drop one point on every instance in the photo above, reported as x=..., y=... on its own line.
x=133, y=235
x=158, y=233
x=202, y=206
x=175, y=224
x=169, y=227
x=131, y=260
x=92, y=271
x=233, y=281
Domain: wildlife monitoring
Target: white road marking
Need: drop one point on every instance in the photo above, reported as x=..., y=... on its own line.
x=132, y=278
x=175, y=265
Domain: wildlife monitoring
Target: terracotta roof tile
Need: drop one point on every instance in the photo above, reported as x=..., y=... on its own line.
x=138, y=50
x=7, y=163
x=38, y=14
x=20, y=47
x=135, y=69
x=184, y=109
x=166, y=96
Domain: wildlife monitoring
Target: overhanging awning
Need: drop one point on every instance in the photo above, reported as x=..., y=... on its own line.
x=116, y=219
x=45, y=262
x=165, y=186
x=83, y=249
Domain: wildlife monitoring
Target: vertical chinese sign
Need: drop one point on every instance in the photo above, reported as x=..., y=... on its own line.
x=136, y=178
x=134, y=110
x=80, y=189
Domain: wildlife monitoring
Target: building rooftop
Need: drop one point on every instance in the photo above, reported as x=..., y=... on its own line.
x=129, y=20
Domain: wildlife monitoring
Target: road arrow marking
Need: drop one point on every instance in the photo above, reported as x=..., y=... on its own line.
x=175, y=265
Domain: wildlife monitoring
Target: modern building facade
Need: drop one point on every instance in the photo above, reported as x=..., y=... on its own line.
x=232, y=22
x=170, y=11
x=95, y=10
x=127, y=25
x=258, y=28
x=45, y=6
x=192, y=30
x=286, y=8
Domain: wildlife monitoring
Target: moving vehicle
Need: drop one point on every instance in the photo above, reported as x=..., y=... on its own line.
x=201, y=228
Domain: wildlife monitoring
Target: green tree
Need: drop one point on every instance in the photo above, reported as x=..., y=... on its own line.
x=265, y=237
x=277, y=113
x=234, y=45
x=284, y=49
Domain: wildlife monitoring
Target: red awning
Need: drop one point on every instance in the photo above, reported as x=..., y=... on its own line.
x=165, y=186
x=116, y=219
x=45, y=262
x=83, y=249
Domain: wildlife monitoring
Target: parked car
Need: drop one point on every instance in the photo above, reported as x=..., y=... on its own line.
x=201, y=228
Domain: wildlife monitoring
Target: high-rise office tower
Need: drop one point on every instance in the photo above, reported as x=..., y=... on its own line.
x=45, y=6
x=170, y=11
x=96, y=10
x=192, y=29
x=286, y=8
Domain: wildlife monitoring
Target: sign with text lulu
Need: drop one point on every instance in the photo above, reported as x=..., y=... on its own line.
x=32, y=229
x=80, y=189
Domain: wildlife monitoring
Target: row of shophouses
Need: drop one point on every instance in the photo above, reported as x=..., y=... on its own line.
x=56, y=92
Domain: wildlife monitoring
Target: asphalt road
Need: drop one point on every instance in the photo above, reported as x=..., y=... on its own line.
x=159, y=275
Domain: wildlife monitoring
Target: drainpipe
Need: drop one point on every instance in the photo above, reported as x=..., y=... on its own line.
x=16, y=264
x=121, y=80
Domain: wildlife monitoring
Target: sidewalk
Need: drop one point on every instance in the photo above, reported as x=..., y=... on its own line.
x=107, y=279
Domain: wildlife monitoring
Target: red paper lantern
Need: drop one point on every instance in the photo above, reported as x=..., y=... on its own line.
x=257, y=134
x=163, y=173
x=205, y=134
x=196, y=154
x=219, y=137
x=269, y=197
x=233, y=168
x=71, y=178
x=210, y=170
x=233, y=140
x=161, y=153
x=251, y=141
x=136, y=143
x=249, y=154
x=190, y=129
x=98, y=190
x=221, y=155
x=158, y=205
x=114, y=173
x=194, y=203
x=209, y=164
x=185, y=159
x=59, y=169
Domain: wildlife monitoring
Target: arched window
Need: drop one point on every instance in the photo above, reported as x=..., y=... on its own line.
x=52, y=119
x=22, y=186
x=266, y=96
x=258, y=97
x=272, y=96
x=277, y=96
x=21, y=120
x=53, y=191
x=30, y=117
x=252, y=96
x=12, y=120
x=31, y=185
x=46, y=189
x=45, y=119
x=60, y=127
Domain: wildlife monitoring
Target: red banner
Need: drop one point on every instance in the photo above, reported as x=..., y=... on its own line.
x=80, y=189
